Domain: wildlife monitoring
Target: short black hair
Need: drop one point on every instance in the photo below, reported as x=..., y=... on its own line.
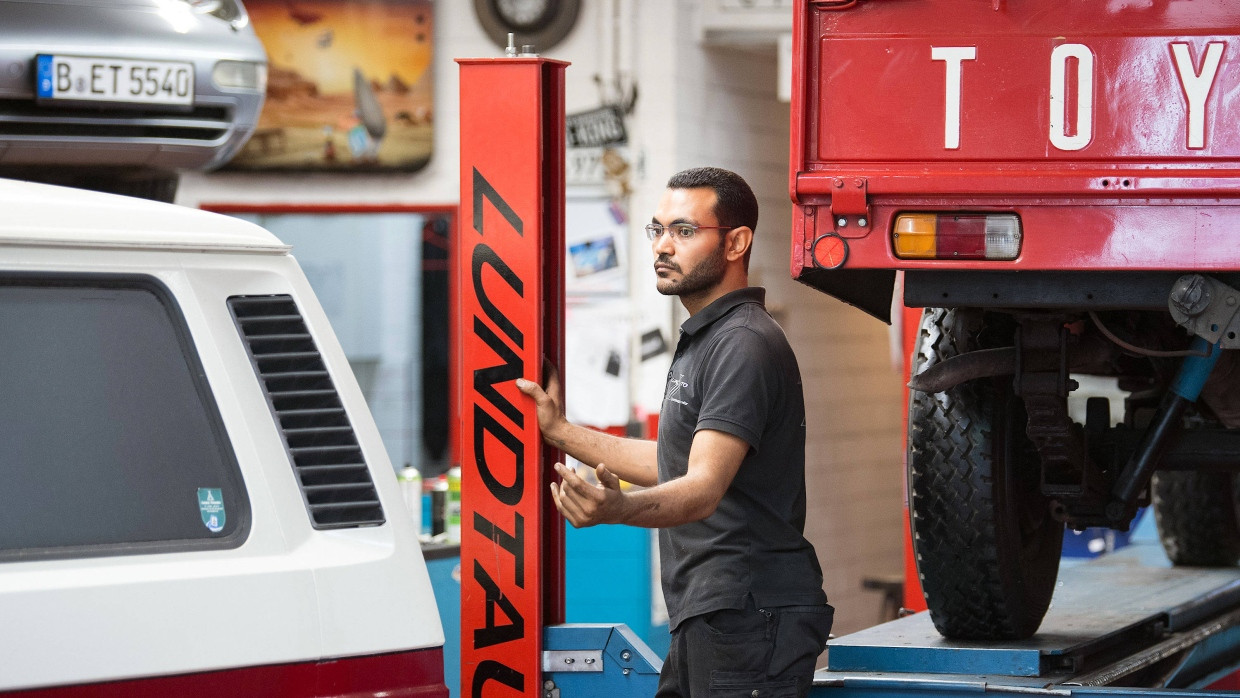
x=735, y=204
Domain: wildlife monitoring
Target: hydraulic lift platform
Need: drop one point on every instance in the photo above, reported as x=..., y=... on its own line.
x=1127, y=622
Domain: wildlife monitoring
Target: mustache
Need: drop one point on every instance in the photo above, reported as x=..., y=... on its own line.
x=666, y=259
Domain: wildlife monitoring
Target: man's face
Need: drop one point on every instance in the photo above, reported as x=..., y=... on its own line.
x=692, y=266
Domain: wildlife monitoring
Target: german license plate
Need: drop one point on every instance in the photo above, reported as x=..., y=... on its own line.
x=114, y=80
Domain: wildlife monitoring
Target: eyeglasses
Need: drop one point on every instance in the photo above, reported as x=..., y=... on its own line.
x=680, y=231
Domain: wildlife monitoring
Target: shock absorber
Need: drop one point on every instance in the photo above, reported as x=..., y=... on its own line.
x=1184, y=391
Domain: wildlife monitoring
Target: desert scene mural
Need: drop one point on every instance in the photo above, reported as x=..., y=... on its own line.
x=348, y=87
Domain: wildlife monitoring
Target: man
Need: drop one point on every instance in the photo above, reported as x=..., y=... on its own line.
x=726, y=479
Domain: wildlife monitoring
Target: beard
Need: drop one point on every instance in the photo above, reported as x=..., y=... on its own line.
x=703, y=277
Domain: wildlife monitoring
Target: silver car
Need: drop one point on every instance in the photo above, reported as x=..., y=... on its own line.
x=120, y=95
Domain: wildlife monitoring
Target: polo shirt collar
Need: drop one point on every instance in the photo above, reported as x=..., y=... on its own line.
x=722, y=306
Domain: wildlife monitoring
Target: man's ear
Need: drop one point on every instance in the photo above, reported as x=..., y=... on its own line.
x=739, y=240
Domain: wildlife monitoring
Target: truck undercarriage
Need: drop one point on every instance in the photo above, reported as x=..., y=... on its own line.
x=998, y=466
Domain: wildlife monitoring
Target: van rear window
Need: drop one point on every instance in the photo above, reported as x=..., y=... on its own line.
x=110, y=440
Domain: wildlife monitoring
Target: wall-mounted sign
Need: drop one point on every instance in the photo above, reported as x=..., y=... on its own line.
x=597, y=127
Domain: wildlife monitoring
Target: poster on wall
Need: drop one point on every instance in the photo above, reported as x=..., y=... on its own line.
x=595, y=235
x=349, y=86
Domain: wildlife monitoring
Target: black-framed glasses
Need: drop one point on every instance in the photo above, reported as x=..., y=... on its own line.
x=680, y=231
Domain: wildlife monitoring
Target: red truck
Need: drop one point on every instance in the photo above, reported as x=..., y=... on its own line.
x=1057, y=184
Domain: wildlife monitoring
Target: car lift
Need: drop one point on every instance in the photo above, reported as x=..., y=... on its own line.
x=509, y=300
x=1125, y=623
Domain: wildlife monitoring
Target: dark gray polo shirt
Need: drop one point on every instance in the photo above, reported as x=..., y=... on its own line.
x=735, y=372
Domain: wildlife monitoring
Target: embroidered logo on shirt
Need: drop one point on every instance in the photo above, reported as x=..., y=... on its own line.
x=673, y=389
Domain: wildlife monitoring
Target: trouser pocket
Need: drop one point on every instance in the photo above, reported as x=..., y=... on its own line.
x=740, y=642
x=801, y=635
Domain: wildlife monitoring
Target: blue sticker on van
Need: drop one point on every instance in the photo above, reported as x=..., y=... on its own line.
x=211, y=506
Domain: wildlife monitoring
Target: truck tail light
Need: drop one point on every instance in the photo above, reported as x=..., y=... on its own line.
x=957, y=236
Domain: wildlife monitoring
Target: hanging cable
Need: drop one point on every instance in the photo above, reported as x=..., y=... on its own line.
x=1140, y=350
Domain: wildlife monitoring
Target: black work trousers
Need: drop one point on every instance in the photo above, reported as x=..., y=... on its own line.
x=752, y=652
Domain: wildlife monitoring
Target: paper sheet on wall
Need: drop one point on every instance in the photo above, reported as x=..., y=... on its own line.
x=596, y=350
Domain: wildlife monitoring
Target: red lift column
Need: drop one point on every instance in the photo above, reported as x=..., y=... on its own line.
x=509, y=277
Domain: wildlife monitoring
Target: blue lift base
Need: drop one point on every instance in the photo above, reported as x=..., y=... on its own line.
x=1127, y=622
x=588, y=659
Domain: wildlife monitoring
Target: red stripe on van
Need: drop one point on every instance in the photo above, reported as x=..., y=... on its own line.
x=413, y=674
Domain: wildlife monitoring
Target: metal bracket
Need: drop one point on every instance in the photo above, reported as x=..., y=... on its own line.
x=850, y=203
x=572, y=660
x=1207, y=308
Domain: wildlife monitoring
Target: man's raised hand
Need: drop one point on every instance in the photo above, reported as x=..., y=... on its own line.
x=547, y=399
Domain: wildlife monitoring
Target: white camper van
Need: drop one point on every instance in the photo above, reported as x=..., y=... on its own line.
x=194, y=498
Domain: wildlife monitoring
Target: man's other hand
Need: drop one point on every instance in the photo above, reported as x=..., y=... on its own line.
x=586, y=504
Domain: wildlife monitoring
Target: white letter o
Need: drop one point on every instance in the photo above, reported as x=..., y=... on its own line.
x=1084, y=96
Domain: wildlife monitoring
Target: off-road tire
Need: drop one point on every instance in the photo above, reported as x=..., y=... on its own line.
x=1197, y=519
x=986, y=545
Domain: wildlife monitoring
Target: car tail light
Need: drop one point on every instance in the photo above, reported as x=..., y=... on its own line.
x=957, y=236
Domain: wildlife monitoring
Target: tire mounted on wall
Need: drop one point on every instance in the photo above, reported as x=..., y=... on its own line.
x=987, y=548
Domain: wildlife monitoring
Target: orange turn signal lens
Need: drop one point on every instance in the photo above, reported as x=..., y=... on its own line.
x=914, y=235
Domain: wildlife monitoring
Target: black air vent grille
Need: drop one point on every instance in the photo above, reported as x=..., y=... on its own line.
x=335, y=481
x=202, y=124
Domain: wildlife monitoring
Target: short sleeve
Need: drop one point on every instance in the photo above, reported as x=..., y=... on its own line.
x=738, y=385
